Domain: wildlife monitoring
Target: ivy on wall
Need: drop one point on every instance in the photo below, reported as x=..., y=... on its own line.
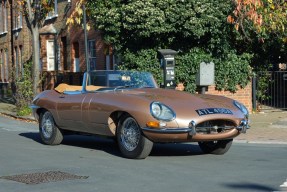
x=231, y=71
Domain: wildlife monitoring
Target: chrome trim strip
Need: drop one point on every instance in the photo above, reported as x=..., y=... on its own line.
x=192, y=129
x=167, y=130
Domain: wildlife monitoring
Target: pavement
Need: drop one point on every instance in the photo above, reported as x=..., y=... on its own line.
x=268, y=127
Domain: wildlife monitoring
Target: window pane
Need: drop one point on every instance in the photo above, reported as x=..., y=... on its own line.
x=1, y=18
x=50, y=55
x=1, y=67
x=92, y=48
x=6, y=66
x=16, y=62
x=92, y=54
x=21, y=60
x=6, y=16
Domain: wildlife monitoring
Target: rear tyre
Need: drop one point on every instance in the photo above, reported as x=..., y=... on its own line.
x=132, y=143
x=49, y=132
x=215, y=147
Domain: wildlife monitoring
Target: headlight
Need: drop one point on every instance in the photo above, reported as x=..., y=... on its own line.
x=242, y=108
x=161, y=111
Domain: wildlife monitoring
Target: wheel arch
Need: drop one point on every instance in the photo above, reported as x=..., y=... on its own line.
x=40, y=111
x=114, y=119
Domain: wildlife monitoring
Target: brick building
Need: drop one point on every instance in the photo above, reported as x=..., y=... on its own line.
x=15, y=41
x=63, y=49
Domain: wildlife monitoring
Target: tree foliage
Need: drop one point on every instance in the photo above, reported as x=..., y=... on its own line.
x=264, y=17
x=198, y=30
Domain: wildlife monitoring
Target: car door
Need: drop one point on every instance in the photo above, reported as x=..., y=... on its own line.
x=69, y=109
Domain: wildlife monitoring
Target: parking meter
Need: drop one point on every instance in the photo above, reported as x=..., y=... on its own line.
x=167, y=63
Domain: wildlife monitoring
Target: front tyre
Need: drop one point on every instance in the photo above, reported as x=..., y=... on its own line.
x=49, y=132
x=215, y=147
x=132, y=143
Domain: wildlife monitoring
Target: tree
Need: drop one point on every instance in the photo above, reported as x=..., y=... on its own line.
x=264, y=17
x=35, y=12
x=196, y=29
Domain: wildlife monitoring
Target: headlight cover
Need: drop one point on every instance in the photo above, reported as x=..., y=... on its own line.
x=242, y=108
x=161, y=111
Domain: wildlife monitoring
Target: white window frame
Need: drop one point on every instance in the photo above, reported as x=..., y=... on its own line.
x=50, y=55
x=16, y=61
x=18, y=21
x=3, y=17
x=21, y=60
x=92, y=53
x=6, y=10
x=6, y=65
x=54, y=13
x=2, y=66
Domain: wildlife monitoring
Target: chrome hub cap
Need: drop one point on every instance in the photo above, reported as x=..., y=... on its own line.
x=47, y=126
x=130, y=134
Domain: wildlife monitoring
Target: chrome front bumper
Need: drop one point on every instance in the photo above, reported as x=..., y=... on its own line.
x=191, y=129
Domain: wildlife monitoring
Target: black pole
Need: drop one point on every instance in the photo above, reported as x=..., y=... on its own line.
x=86, y=39
x=254, y=93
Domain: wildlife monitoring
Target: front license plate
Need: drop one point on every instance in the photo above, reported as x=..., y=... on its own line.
x=210, y=111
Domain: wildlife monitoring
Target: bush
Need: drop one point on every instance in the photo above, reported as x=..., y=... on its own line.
x=230, y=71
x=24, y=91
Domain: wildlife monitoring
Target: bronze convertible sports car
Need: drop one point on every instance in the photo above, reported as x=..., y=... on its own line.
x=129, y=106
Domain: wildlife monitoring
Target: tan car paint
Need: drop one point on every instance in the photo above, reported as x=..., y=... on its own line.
x=90, y=112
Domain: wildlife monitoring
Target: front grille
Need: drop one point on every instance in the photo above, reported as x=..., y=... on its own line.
x=214, y=126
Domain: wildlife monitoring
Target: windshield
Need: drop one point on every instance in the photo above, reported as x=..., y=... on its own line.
x=121, y=79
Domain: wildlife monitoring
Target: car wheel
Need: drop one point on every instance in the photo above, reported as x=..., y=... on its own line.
x=132, y=143
x=49, y=132
x=216, y=147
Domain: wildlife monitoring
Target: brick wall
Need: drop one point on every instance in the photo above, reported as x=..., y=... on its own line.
x=242, y=95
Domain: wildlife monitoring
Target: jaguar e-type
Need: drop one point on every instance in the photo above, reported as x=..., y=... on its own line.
x=129, y=106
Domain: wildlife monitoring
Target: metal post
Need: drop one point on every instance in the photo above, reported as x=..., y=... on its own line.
x=254, y=93
x=86, y=39
x=203, y=89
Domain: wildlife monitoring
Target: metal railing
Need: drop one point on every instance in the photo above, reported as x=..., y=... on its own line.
x=271, y=90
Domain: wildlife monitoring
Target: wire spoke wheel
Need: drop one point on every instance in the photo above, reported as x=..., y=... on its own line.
x=130, y=134
x=132, y=143
x=49, y=132
x=47, y=125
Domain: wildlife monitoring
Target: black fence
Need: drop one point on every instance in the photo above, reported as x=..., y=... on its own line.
x=271, y=90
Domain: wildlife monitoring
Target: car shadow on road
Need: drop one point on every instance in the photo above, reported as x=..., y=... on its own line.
x=249, y=187
x=109, y=145
x=176, y=149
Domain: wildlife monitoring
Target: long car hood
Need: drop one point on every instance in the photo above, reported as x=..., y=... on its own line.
x=180, y=99
x=185, y=104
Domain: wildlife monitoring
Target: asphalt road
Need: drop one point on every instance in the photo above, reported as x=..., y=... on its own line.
x=169, y=168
